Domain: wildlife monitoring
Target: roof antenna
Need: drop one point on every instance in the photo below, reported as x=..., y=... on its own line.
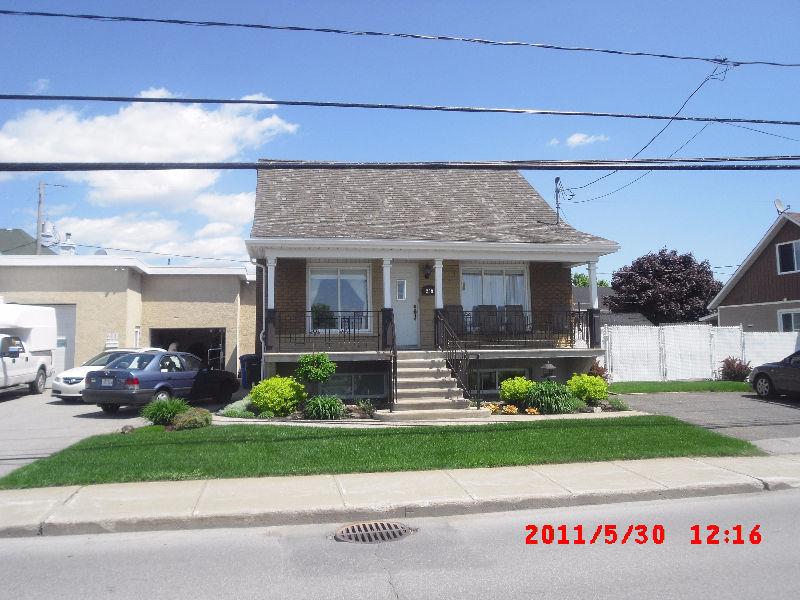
x=778, y=206
x=558, y=200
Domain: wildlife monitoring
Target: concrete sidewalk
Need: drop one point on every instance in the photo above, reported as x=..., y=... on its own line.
x=356, y=496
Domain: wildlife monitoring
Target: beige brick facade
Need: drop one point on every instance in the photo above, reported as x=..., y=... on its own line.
x=115, y=300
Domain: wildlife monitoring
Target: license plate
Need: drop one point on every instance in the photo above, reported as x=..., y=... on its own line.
x=107, y=382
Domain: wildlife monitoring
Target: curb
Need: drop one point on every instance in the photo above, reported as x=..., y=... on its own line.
x=394, y=511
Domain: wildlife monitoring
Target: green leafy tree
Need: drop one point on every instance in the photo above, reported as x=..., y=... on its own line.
x=666, y=287
x=582, y=280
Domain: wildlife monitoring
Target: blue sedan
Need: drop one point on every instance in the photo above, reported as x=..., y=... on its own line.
x=137, y=378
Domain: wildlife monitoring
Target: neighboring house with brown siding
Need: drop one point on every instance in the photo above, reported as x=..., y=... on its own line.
x=764, y=292
x=415, y=269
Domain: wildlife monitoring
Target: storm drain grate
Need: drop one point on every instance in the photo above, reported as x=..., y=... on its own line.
x=372, y=532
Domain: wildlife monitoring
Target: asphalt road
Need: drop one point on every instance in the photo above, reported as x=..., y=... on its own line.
x=476, y=556
x=36, y=425
x=773, y=425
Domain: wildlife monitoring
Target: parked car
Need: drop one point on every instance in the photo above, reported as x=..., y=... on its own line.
x=69, y=384
x=137, y=378
x=27, y=342
x=774, y=378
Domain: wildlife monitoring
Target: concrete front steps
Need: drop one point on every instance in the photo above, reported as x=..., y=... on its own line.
x=426, y=390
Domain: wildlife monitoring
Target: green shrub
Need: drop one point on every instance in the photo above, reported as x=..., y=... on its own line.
x=266, y=414
x=589, y=388
x=279, y=395
x=325, y=408
x=237, y=413
x=367, y=407
x=314, y=367
x=553, y=398
x=618, y=404
x=517, y=391
x=194, y=418
x=161, y=412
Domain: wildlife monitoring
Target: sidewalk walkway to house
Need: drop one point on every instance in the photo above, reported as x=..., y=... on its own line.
x=366, y=496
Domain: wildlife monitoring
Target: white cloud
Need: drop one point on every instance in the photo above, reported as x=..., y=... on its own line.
x=236, y=209
x=553, y=142
x=128, y=231
x=213, y=230
x=141, y=132
x=583, y=139
x=41, y=85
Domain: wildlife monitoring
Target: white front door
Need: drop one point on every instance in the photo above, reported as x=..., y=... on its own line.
x=405, y=302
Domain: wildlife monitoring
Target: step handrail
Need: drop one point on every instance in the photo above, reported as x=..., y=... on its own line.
x=457, y=357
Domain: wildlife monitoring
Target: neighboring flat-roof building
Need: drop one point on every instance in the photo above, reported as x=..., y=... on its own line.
x=103, y=301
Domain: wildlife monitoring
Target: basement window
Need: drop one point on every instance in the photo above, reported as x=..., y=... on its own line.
x=789, y=321
x=355, y=386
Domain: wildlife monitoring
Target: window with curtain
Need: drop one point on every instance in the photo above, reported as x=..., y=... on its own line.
x=493, y=286
x=333, y=290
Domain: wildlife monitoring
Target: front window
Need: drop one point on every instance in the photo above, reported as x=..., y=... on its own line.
x=493, y=287
x=790, y=321
x=338, y=293
x=789, y=257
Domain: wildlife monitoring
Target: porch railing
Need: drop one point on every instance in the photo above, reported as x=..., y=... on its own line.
x=507, y=327
x=391, y=339
x=457, y=357
x=328, y=330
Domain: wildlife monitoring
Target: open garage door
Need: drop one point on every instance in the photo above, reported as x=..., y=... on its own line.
x=208, y=344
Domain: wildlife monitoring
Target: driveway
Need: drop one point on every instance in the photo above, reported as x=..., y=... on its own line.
x=34, y=426
x=772, y=425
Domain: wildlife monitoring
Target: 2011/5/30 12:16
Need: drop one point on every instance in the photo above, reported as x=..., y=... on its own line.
x=639, y=534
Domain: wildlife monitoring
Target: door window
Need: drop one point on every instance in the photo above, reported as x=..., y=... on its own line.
x=170, y=364
x=401, y=289
x=192, y=362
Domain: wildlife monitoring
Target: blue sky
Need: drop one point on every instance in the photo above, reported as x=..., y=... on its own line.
x=718, y=216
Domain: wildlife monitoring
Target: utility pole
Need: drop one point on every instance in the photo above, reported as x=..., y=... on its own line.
x=558, y=200
x=39, y=217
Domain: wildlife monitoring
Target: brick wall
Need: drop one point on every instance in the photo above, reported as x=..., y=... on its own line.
x=551, y=286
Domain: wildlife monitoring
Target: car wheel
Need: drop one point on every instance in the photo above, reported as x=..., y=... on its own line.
x=109, y=409
x=224, y=393
x=162, y=395
x=764, y=387
x=37, y=385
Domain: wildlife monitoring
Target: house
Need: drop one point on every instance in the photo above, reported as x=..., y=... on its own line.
x=581, y=300
x=18, y=241
x=398, y=274
x=119, y=301
x=763, y=294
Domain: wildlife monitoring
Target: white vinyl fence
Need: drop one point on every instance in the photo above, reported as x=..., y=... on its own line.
x=691, y=351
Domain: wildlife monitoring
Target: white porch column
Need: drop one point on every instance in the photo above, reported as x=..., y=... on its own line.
x=437, y=282
x=593, y=285
x=387, y=283
x=271, y=262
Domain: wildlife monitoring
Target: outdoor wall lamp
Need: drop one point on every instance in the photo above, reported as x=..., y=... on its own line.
x=427, y=270
x=549, y=371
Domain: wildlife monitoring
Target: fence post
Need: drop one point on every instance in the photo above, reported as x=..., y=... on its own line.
x=662, y=363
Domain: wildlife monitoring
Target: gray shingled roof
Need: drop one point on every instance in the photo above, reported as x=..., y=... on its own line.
x=429, y=204
x=17, y=241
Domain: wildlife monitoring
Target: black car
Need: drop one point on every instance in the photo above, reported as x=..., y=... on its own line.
x=137, y=378
x=775, y=378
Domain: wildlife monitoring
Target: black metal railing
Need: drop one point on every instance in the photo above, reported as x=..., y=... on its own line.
x=511, y=327
x=314, y=330
x=457, y=356
x=391, y=339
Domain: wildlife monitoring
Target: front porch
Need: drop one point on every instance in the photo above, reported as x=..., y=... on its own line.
x=376, y=305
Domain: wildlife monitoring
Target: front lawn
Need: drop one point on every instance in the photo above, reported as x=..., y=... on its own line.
x=150, y=453
x=654, y=387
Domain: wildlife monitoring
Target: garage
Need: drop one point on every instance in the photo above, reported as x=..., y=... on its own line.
x=208, y=344
x=64, y=358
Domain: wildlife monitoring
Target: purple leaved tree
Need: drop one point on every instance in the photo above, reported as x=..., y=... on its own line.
x=666, y=287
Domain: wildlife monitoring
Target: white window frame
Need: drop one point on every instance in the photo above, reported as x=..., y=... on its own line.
x=778, y=257
x=524, y=267
x=338, y=266
x=792, y=311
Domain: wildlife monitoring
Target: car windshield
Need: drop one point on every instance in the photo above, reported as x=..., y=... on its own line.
x=104, y=358
x=132, y=362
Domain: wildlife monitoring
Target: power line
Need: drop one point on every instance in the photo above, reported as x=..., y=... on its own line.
x=694, y=164
x=785, y=137
x=643, y=175
x=413, y=36
x=394, y=106
x=715, y=74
